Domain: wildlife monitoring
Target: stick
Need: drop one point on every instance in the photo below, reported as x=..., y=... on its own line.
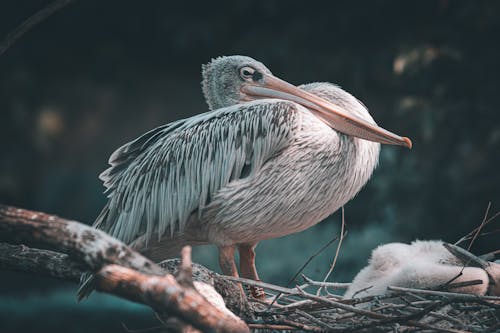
x=332, y=266
x=456, y=296
x=30, y=22
x=483, y=223
x=333, y=285
x=473, y=232
x=314, y=255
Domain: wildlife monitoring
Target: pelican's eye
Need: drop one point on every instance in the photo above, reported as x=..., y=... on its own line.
x=246, y=73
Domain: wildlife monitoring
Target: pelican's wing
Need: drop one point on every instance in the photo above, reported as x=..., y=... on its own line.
x=158, y=180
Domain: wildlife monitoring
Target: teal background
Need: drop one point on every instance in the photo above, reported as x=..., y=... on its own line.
x=100, y=73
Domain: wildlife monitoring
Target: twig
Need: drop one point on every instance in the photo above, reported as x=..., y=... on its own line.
x=490, y=256
x=264, y=285
x=456, y=296
x=333, y=285
x=361, y=291
x=319, y=299
x=405, y=319
x=343, y=306
x=315, y=320
x=314, y=255
x=185, y=274
x=332, y=266
x=470, y=234
x=275, y=327
x=480, y=226
x=485, y=233
x=32, y=21
x=456, y=285
x=298, y=304
x=446, y=317
x=302, y=326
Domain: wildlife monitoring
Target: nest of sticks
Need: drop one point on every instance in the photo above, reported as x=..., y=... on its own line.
x=315, y=306
x=41, y=244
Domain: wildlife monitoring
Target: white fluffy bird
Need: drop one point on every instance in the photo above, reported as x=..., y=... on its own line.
x=424, y=265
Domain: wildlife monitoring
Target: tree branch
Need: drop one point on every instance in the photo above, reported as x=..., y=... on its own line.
x=298, y=309
x=119, y=269
x=32, y=21
x=81, y=242
x=21, y=258
x=165, y=295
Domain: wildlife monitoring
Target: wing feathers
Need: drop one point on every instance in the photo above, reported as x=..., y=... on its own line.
x=158, y=180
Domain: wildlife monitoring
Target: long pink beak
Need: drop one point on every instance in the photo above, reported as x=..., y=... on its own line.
x=333, y=115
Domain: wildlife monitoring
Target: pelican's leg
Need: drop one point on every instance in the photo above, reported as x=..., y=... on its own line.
x=227, y=265
x=226, y=261
x=247, y=268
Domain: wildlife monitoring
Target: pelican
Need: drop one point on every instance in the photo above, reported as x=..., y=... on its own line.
x=269, y=159
x=424, y=265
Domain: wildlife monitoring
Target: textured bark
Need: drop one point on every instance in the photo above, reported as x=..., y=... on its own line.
x=165, y=294
x=21, y=258
x=229, y=290
x=81, y=242
x=119, y=269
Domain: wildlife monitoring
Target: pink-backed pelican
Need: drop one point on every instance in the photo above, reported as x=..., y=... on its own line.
x=268, y=160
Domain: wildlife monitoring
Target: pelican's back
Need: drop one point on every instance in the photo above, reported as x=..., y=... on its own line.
x=158, y=182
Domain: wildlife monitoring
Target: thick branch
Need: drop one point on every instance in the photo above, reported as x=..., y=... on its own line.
x=21, y=258
x=32, y=21
x=81, y=242
x=165, y=294
x=414, y=308
x=86, y=247
x=229, y=290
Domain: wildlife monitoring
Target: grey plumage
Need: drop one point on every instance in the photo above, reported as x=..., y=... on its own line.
x=218, y=84
x=157, y=181
x=194, y=166
x=265, y=162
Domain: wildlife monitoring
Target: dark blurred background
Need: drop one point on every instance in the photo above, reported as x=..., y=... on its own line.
x=100, y=73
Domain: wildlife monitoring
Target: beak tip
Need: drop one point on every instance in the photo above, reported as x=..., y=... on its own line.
x=407, y=142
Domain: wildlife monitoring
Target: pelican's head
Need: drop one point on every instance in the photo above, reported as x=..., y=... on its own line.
x=237, y=79
x=224, y=78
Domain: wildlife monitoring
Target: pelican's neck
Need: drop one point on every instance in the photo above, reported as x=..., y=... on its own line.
x=367, y=154
x=356, y=159
x=359, y=156
x=340, y=165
